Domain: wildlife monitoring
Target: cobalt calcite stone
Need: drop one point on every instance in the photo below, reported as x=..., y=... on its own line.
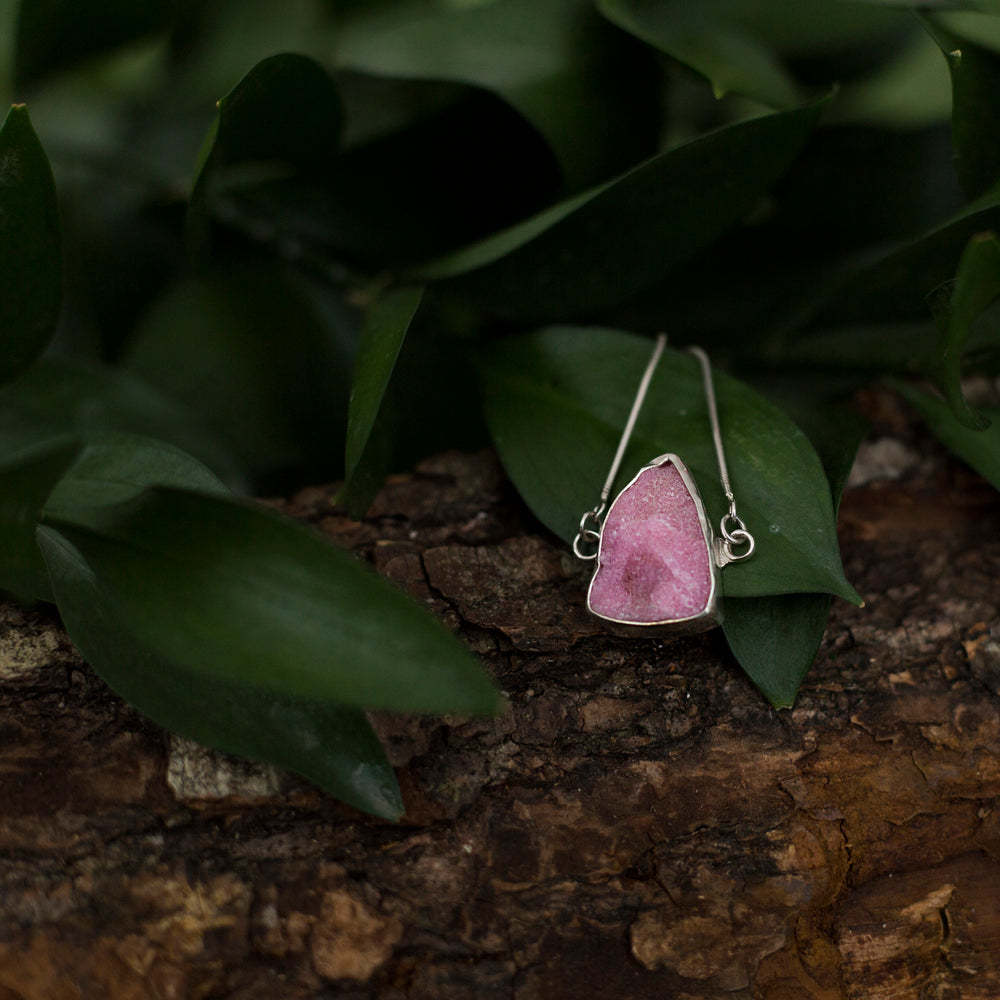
x=655, y=562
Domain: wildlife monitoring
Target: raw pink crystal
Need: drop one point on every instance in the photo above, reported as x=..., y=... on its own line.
x=655, y=564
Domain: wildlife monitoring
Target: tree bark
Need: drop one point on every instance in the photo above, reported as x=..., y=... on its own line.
x=640, y=824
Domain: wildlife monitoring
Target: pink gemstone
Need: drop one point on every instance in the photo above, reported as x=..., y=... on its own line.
x=655, y=564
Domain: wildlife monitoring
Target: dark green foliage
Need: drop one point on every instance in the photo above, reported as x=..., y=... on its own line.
x=26, y=480
x=260, y=357
x=600, y=248
x=55, y=34
x=367, y=451
x=975, y=84
x=331, y=744
x=307, y=242
x=30, y=257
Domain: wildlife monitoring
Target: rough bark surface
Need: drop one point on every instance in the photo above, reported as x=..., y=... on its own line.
x=640, y=824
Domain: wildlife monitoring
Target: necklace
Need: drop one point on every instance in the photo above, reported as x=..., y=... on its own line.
x=658, y=561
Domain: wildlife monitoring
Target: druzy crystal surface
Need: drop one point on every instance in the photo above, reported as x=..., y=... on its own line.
x=654, y=563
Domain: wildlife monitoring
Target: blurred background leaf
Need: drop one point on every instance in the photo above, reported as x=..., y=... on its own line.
x=366, y=455
x=601, y=248
x=26, y=480
x=263, y=357
x=55, y=34
x=975, y=83
x=753, y=47
x=59, y=399
x=30, y=253
x=282, y=118
x=549, y=59
x=112, y=468
x=980, y=448
x=977, y=285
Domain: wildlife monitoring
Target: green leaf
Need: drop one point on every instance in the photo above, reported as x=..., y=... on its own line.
x=552, y=60
x=975, y=118
x=557, y=401
x=55, y=34
x=743, y=46
x=386, y=323
x=113, y=468
x=30, y=253
x=331, y=745
x=61, y=474
x=872, y=319
x=410, y=195
x=59, y=399
x=248, y=347
x=235, y=593
x=286, y=109
x=981, y=5
x=775, y=639
x=977, y=284
x=979, y=448
x=731, y=59
x=908, y=93
x=603, y=246
x=26, y=481
x=836, y=432
x=283, y=117
x=887, y=286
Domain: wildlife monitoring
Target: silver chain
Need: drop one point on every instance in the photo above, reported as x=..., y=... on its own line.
x=732, y=528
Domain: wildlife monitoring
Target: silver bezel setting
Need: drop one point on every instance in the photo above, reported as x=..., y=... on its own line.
x=706, y=619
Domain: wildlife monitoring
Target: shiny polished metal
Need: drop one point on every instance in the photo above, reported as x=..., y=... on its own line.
x=658, y=560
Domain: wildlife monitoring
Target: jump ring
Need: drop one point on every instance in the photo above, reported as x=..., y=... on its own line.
x=739, y=537
x=740, y=528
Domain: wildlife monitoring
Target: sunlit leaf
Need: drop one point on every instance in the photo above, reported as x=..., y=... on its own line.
x=235, y=593
x=30, y=254
x=557, y=401
x=331, y=745
x=602, y=247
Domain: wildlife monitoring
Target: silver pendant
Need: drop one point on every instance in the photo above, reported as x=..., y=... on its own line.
x=658, y=562
x=657, y=571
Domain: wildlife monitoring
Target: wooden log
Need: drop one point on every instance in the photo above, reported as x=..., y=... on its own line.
x=640, y=824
